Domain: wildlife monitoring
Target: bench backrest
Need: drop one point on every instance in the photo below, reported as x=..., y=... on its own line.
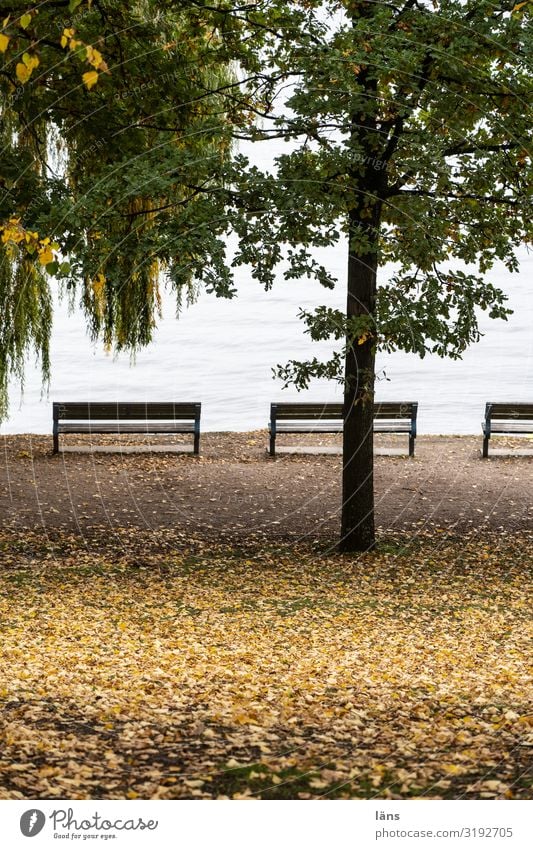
x=382, y=410
x=509, y=411
x=125, y=411
x=296, y=411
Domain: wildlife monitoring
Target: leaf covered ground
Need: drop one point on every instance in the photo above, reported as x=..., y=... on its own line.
x=129, y=669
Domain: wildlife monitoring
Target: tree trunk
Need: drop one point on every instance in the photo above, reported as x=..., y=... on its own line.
x=357, y=526
x=364, y=217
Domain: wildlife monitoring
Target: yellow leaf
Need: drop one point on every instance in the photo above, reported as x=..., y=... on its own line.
x=67, y=34
x=4, y=41
x=318, y=784
x=90, y=79
x=94, y=57
x=31, y=61
x=47, y=771
x=25, y=21
x=23, y=72
x=45, y=256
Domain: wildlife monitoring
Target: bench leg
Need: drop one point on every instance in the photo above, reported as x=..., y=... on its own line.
x=411, y=446
x=486, y=446
x=196, y=443
x=272, y=444
x=56, y=444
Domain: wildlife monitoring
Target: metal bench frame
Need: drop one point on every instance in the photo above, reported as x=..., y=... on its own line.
x=126, y=417
x=389, y=417
x=506, y=419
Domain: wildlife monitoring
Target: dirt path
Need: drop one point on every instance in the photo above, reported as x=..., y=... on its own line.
x=234, y=491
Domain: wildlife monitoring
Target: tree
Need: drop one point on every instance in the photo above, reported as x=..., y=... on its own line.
x=112, y=128
x=411, y=130
x=410, y=126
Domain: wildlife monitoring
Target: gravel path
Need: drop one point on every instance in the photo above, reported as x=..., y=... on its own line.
x=234, y=491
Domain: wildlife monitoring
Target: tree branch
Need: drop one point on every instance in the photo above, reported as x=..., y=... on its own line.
x=466, y=196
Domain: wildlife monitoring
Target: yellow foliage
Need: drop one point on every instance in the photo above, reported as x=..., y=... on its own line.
x=14, y=234
x=304, y=672
x=67, y=35
x=23, y=72
x=4, y=41
x=94, y=57
x=25, y=68
x=90, y=78
x=30, y=60
x=98, y=287
x=45, y=256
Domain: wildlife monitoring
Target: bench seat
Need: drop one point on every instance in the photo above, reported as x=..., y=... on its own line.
x=124, y=427
x=320, y=427
x=509, y=427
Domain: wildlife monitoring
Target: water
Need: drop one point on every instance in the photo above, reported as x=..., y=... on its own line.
x=222, y=352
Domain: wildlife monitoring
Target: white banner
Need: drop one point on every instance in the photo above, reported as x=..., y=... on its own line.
x=264, y=825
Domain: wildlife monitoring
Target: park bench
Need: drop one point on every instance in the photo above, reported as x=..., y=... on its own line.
x=389, y=417
x=506, y=419
x=126, y=417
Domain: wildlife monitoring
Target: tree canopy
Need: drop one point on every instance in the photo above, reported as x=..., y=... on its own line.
x=424, y=109
x=112, y=129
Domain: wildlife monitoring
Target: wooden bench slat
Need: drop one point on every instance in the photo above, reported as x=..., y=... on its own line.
x=305, y=410
x=510, y=411
x=308, y=411
x=392, y=427
x=511, y=427
x=125, y=427
x=313, y=427
x=332, y=427
x=127, y=410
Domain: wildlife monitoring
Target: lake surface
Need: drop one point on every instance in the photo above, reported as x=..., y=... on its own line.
x=221, y=353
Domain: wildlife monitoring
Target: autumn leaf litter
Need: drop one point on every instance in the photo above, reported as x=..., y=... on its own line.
x=274, y=673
